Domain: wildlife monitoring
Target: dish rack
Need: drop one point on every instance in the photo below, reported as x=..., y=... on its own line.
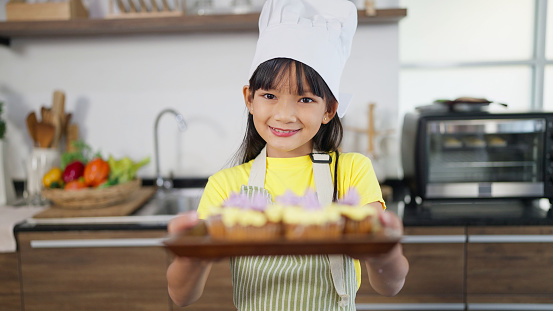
x=145, y=8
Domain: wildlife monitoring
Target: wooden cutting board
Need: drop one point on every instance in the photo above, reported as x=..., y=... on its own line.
x=135, y=201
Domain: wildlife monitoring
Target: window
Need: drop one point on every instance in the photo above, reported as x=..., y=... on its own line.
x=494, y=49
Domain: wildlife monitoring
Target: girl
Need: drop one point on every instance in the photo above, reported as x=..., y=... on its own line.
x=293, y=101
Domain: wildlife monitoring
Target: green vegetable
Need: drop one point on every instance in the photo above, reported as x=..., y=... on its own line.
x=108, y=183
x=55, y=185
x=82, y=153
x=124, y=169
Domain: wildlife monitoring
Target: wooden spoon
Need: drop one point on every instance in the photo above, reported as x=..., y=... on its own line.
x=31, y=126
x=45, y=133
x=65, y=123
x=45, y=114
x=57, y=115
x=72, y=136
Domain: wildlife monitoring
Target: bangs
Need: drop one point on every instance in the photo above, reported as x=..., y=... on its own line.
x=272, y=75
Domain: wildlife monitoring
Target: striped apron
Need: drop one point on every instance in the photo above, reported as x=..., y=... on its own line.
x=314, y=282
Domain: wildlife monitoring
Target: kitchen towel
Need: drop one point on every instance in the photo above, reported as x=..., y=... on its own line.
x=9, y=217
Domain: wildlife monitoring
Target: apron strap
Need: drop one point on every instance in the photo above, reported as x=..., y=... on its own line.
x=259, y=166
x=322, y=176
x=324, y=186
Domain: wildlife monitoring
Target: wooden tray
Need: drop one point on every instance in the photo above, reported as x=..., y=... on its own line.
x=197, y=243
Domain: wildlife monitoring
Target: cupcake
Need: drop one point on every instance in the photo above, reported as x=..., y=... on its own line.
x=242, y=217
x=305, y=218
x=358, y=219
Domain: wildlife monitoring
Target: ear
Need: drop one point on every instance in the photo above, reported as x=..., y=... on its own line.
x=331, y=113
x=247, y=97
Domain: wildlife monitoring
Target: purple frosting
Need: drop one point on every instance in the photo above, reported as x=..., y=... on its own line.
x=237, y=200
x=310, y=201
x=257, y=202
x=289, y=198
x=352, y=198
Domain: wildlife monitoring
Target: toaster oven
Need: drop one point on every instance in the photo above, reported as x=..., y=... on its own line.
x=477, y=155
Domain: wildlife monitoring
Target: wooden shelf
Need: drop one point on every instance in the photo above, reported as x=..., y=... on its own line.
x=158, y=25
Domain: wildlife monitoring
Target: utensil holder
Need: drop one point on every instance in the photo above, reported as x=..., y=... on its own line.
x=39, y=162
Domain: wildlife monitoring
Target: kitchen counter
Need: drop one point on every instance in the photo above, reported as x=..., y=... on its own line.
x=430, y=213
x=437, y=213
x=478, y=213
x=150, y=216
x=114, y=223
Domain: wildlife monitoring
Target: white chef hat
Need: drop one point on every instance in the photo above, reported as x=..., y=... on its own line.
x=317, y=33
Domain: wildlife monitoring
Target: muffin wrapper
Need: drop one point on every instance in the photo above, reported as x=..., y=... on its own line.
x=308, y=232
x=364, y=226
x=241, y=233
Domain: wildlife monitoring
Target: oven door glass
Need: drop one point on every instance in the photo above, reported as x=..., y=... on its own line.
x=485, y=158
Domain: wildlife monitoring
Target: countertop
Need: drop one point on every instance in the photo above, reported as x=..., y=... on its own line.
x=429, y=213
x=478, y=213
x=468, y=213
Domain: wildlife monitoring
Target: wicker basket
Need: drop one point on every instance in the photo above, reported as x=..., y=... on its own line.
x=91, y=198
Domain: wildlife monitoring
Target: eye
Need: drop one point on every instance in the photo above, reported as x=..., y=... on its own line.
x=306, y=100
x=269, y=96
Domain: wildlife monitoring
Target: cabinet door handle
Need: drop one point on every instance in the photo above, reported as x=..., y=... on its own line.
x=416, y=239
x=509, y=306
x=97, y=243
x=410, y=306
x=534, y=238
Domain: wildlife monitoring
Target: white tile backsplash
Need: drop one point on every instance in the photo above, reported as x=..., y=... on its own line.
x=116, y=85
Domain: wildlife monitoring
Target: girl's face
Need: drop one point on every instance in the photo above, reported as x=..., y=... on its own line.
x=286, y=120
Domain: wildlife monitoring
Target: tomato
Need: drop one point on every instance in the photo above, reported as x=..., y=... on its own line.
x=75, y=185
x=96, y=172
x=52, y=177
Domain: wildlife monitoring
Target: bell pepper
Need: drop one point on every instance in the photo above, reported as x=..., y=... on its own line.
x=96, y=172
x=73, y=171
x=52, y=178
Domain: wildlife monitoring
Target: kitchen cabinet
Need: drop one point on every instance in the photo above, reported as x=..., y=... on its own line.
x=157, y=25
x=510, y=265
x=436, y=273
x=217, y=295
x=451, y=268
x=85, y=270
x=10, y=297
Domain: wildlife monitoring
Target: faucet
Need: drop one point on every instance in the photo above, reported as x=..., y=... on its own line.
x=160, y=182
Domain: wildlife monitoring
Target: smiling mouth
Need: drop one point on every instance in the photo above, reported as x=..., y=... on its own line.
x=283, y=133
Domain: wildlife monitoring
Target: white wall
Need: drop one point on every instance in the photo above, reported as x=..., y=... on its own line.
x=116, y=85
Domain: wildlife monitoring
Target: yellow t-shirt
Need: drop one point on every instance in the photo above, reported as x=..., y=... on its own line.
x=296, y=174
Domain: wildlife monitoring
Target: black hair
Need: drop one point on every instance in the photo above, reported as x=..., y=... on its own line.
x=269, y=75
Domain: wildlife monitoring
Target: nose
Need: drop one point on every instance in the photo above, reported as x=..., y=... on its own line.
x=285, y=110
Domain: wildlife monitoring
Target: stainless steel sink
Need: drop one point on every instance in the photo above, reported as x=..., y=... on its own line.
x=172, y=202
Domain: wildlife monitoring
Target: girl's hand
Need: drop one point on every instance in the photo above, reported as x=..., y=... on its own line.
x=388, y=220
x=186, y=277
x=387, y=271
x=182, y=222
